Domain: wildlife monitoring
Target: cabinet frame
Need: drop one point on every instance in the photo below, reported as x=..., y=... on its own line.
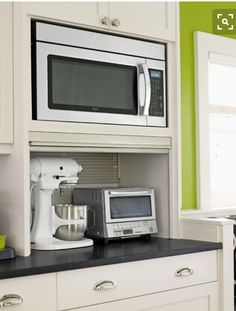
x=6, y=77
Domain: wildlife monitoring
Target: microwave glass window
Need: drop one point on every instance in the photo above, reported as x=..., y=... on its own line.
x=84, y=85
x=130, y=207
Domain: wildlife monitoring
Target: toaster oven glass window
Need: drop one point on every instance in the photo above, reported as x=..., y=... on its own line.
x=85, y=85
x=130, y=207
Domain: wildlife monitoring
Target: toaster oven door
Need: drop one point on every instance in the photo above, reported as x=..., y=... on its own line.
x=127, y=206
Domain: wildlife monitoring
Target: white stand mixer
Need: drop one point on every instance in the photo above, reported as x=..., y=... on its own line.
x=49, y=174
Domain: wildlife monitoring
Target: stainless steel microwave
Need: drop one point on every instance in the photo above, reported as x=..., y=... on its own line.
x=118, y=212
x=86, y=76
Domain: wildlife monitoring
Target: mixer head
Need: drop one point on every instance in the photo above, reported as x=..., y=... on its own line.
x=54, y=172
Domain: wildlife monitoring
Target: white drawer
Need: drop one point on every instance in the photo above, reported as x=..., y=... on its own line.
x=76, y=287
x=38, y=292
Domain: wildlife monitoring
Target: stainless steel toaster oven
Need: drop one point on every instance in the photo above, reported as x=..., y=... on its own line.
x=119, y=212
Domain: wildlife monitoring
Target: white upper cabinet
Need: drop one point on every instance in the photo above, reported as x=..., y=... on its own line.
x=6, y=77
x=149, y=19
x=85, y=13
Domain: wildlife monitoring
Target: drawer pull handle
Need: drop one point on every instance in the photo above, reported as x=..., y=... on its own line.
x=104, y=285
x=10, y=300
x=184, y=272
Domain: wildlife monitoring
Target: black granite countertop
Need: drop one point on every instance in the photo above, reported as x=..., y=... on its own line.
x=97, y=255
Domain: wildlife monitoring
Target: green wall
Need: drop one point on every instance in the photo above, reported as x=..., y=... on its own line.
x=194, y=16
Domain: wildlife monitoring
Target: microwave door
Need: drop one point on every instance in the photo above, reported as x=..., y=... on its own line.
x=157, y=110
x=81, y=85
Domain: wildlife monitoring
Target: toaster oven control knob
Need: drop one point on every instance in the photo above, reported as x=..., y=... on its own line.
x=106, y=20
x=115, y=22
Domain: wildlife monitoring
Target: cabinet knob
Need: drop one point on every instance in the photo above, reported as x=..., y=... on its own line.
x=106, y=20
x=184, y=272
x=104, y=285
x=115, y=22
x=10, y=300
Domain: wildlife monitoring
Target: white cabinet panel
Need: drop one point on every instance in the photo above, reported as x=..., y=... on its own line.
x=151, y=19
x=6, y=76
x=134, y=279
x=195, y=298
x=84, y=13
x=38, y=292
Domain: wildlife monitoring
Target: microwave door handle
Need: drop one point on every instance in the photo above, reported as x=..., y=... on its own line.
x=141, y=90
x=147, y=90
x=143, y=70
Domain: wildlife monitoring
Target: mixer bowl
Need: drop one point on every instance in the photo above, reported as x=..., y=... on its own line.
x=70, y=232
x=70, y=211
x=75, y=231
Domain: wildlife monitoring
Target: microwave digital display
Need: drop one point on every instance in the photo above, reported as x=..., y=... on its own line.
x=155, y=74
x=130, y=207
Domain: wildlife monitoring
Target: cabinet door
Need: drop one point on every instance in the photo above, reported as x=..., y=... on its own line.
x=6, y=76
x=150, y=19
x=83, y=13
x=38, y=293
x=195, y=298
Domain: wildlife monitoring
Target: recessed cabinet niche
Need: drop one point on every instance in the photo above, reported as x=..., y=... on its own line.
x=122, y=170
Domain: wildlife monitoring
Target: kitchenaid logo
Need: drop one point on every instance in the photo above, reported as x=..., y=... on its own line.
x=224, y=22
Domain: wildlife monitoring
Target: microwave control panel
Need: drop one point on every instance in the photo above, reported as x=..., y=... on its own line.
x=132, y=228
x=156, y=108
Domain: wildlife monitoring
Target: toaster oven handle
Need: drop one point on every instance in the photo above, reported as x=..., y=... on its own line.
x=143, y=70
x=129, y=193
x=94, y=216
